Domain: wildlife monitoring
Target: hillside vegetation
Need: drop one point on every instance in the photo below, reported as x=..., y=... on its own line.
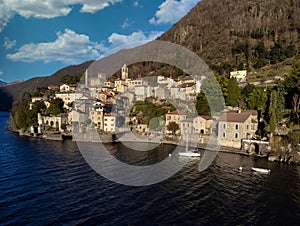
x=241, y=34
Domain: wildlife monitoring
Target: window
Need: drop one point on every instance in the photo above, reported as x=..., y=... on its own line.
x=224, y=125
x=236, y=135
x=247, y=126
x=236, y=126
x=224, y=135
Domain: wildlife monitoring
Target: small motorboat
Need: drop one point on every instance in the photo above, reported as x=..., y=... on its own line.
x=261, y=170
x=189, y=154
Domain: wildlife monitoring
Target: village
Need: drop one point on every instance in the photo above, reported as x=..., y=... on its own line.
x=108, y=110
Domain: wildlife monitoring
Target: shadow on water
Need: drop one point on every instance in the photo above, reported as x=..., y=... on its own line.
x=5, y=100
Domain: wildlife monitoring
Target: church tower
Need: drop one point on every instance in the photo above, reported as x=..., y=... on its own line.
x=124, y=72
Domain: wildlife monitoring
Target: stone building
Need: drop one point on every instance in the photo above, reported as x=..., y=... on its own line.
x=233, y=127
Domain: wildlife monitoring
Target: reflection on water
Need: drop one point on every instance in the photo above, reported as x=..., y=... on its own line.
x=48, y=182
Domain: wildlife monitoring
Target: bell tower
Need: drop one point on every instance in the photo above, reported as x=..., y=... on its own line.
x=124, y=72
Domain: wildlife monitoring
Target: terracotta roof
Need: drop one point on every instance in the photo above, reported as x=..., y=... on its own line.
x=53, y=87
x=206, y=117
x=176, y=113
x=106, y=93
x=110, y=114
x=234, y=117
x=251, y=112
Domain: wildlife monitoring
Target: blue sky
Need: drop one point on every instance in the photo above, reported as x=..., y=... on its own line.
x=38, y=37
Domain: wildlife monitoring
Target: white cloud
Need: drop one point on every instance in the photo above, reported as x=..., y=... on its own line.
x=47, y=8
x=69, y=47
x=9, y=44
x=170, y=11
x=130, y=40
x=136, y=4
x=126, y=23
x=72, y=48
x=1, y=72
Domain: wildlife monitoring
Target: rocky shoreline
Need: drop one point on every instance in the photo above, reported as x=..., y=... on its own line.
x=108, y=139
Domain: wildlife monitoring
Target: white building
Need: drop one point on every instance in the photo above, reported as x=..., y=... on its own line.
x=110, y=122
x=175, y=116
x=240, y=76
x=67, y=88
x=133, y=82
x=53, y=121
x=235, y=126
x=67, y=97
x=203, y=124
x=178, y=93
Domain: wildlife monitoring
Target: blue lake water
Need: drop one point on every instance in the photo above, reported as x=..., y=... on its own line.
x=49, y=183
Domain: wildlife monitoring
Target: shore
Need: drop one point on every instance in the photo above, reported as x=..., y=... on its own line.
x=108, y=139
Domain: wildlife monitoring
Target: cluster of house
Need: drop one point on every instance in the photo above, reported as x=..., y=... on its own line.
x=106, y=108
x=230, y=127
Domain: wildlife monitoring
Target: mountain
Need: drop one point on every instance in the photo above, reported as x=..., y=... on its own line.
x=226, y=34
x=2, y=83
x=230, y=34
x=15, y=82
x=12, y=92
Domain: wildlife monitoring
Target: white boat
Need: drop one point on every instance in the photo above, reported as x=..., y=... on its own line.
x=261, y=170
x=189, y=154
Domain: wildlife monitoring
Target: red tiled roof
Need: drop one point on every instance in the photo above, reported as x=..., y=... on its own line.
x=251, y=112
x=106, y=93
x=234, y=117
x=110, y=114
x=53, y=87
x=206, y=117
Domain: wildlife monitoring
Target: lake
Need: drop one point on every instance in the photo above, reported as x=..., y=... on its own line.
x=49, y=183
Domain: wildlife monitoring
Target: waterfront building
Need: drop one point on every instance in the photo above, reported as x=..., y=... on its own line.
x=109, y=122
x=233, y=127
x=175, y=116
x=96, y=117
x=54, y=122
x=141, y=128
x=203, y=125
